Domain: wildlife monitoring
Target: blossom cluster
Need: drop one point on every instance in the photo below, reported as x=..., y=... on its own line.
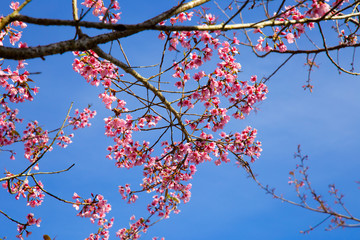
x=35, y=141
x=133, y=231
x=102, y=12
x=31, y=220
x=95, y=209
x=9, y=31
x=16, y=84
x=8, y=133
x=317, y=9
x=97, y=71
x=64, y=140
x=81, y=119
x=33, y=194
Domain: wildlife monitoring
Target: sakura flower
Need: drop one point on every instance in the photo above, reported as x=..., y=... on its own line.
x=210, y=18
x=14, y=5
x=107, y=99
x=290, y=37
x=282, y=47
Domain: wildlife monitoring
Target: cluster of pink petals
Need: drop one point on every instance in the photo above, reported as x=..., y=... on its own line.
x=13, y=34
x=95, y=209
x=210, y=18
x=319, y=9
x=107, y=99
x=63, y=140
x=181, y=17
x=31, y=220
x=33, y=194
x=101, y=11
x=97, y=71
x=127, y=152
x=149, y=120
x=81, y=119
x=8, y=133
x=93, y=69
x=35, y=141
x=133, y=231
x=16, y=85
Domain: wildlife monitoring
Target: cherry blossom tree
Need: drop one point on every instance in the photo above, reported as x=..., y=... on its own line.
x=188, y=104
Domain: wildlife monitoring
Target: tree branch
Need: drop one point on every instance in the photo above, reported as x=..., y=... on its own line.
x=33, y=174
x=151, y=23
x=86, y=43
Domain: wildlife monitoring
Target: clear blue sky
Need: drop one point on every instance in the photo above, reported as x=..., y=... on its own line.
x=224, y=204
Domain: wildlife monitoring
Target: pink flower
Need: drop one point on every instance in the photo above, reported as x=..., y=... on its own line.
x=15, y=37
x=162, y=36
x=282, y=47
x=210, y=18
x=290, y=37
x=259, y=47
x=205, y=37
x=179, y=84
x=236, y=41
x=107, y=99
x=257, y=30
x=173, y=20
x=253, y=78
x=182, y=17
x=75, y=196
x=32, y=220
x=14, y=5
x=319, y=9
x=189, y=15
x=23, y=45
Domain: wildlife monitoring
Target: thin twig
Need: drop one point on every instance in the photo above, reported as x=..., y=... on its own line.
x=330, y=58
x=15, y=221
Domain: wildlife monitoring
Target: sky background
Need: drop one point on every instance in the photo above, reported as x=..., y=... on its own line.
x=225, y=204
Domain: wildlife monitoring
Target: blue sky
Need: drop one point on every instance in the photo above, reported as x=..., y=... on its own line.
x=225, y=204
